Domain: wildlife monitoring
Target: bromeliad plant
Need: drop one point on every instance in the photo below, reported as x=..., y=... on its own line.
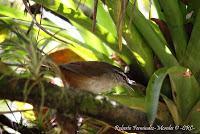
x=160, y=38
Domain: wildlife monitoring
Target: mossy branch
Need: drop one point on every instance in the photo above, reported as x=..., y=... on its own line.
x=68, y=101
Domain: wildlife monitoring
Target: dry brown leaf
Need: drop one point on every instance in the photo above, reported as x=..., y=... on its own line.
x=65, y=56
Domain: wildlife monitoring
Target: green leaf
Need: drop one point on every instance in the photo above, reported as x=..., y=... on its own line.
x=192, y=53
x=4, y=106
x=158, y=10
x=94, y=44
x=195, y=4
x=135, y=102
x=175, y=21
x=173, y=109
x=98, y=48
x=105, y=20
x=152, y=38
x=185, y=90
x=5, y=69
x=3, y=33
x=153, y=93
x=103, y=17
x=12, y=12
x=194, y=118
x=140, y=49
x=53, y=4
x=78, y=18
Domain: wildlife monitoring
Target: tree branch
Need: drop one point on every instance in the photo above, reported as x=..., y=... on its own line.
x=68, y=101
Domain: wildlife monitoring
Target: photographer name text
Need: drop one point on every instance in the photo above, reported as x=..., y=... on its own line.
x=152, y=128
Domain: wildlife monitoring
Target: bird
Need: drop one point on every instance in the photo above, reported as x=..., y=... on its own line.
x=95, y=76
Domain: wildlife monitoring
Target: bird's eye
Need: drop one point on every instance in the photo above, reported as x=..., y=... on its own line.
x=124, y=78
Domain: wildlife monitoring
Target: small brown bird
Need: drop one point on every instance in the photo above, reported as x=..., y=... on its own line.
x=96, y=77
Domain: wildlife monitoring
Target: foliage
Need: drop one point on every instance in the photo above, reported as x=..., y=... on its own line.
x=159, y=40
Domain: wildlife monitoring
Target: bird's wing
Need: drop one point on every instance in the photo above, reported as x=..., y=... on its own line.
x=90, y=68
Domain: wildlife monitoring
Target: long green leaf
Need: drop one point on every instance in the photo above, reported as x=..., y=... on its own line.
x=7, y=11
x=159, y=47
x=175, y=21
x=173, y=109
x=153, y=93
x=186, y=91
x=194, y=118
x=158, y=9
x=195, y=4
x=140, y=49
x=137, y=102
x=103, y=17
x=192, y=53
